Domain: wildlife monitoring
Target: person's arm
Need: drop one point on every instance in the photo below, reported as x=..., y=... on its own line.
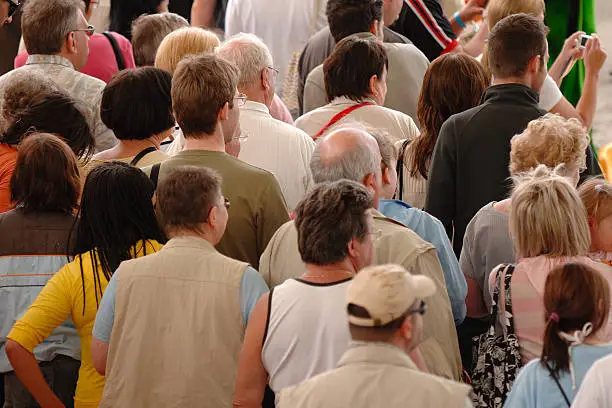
x=26, y=367
x=571, y=49
x=203, y=13
x=50, y=309
x=473, y=271
x=475, y=46
x=252, y=288
x=471, y=10
x=594, y=391
x=251, y=377
x=314, y=91
x=272, y=211
x=103, y=326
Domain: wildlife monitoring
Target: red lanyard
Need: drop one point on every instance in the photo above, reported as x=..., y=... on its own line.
x=339, y=116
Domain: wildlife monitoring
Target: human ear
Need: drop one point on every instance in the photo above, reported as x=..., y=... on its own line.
x=224, y=112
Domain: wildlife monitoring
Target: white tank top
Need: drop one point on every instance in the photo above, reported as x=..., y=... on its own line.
x=307, y=331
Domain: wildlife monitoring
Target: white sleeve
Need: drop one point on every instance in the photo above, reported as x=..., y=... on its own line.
x=550, y=95
x=594, y=392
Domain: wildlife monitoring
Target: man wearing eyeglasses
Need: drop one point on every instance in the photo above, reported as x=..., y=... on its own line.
x=56, y=35
x=385, y=310
x=7, y=9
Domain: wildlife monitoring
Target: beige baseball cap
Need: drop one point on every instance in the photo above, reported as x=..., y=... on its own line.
x=386, y=292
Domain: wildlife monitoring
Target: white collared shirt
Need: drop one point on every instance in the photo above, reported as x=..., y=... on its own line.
x=277, y=147
x=396, y=124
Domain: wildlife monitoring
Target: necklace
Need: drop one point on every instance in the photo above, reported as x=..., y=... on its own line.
x=326, y=275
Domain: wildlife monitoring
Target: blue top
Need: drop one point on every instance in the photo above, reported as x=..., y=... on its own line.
x=431, y=230
x=252, y=287
x=535, y=388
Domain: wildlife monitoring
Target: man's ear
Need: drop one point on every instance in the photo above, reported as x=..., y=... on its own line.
x=372, y=85
x=70, y=43
x=265, y=79
x=223, y=113
x=535, y=64
x=386, y=178
x=407, y=329
x=369, y=181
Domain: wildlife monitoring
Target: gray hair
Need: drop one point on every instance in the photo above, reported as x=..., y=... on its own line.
x=249, y=53
x=46, y=24
x=353, y=165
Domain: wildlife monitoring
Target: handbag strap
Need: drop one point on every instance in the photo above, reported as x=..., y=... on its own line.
x=400, y=169
x=154, y=175
x=116, y=50
x=554, y=377
x=338, y=116
x=142, y=154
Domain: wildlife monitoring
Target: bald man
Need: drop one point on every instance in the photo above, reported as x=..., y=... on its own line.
x=353, y=154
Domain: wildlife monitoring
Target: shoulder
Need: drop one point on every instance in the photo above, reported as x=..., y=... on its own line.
x=400, y=50
x=249, y=171
x=397, y=234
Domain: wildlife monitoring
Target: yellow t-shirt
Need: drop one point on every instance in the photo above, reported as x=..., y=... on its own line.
x=62, y=298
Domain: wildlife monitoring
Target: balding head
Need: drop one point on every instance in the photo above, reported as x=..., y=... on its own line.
x=348, y=153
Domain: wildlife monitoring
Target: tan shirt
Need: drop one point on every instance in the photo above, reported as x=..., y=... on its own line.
x=257, y=206
x=178, y=329
x=375, y=375
x=399, y=245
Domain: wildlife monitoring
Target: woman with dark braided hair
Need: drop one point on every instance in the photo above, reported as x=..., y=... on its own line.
x=117, y=223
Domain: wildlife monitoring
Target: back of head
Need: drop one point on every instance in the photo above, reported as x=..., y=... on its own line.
x=148, y=31
x=136, y=103
x=550, y=140
x=574, y=295
x=345, y=154
x=513, y=42
x=45, y=24
x=497, y=10
x=33, y=104
x=596, y=195
x=347, y=17
x=249, y=54
x=201, y=86
x=185, y=197
x=181, y=43
x=547, y=216
x=116, y=212
x=453, y=83
x=328, y=218
x=123, y=13
x=46, y=176
x=350, y=66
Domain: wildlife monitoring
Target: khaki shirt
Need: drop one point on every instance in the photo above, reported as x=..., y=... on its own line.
x=399, y=245
x=375, y=375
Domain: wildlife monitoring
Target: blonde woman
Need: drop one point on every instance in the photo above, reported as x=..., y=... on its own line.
x=548, y=225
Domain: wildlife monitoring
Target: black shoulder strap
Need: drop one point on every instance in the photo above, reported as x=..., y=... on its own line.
x=155, y=174
x=116, y=50
x=399, y=168
x=142, y=154
x=554, y=377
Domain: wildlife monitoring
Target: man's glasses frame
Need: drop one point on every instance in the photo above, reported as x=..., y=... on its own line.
x=90, y=30
x=13, y=6
x=240, y=99
x=420, y=310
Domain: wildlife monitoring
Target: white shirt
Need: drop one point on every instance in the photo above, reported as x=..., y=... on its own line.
x=285, y=26
x=396, y=124
x=307, y=331
x=277, y=147
x=595, y=391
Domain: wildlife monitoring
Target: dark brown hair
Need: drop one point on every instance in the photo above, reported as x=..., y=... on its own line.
x=46, y=176
x=328, y=218
x=148, y=31
x=201, y=86
x=347, y=17
x=513, y=42
x=577, y=294
x=136, y=103
x=185, y=197
x=350, y=66
x=452, y=84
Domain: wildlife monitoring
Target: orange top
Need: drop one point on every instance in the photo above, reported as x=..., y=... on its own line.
x=8, y=160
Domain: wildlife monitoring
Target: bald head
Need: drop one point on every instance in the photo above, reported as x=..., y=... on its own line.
x=348, y=153
x=249, y=53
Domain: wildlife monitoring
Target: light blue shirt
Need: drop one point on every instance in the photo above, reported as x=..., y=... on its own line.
x=252, y=287
x=534, y=388
x=431, y=230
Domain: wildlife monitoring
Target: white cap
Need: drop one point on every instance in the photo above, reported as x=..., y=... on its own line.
x=386, y=292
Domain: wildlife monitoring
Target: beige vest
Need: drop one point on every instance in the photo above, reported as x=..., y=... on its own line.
x=398, y=245
x=375, y=375
x=178, y=329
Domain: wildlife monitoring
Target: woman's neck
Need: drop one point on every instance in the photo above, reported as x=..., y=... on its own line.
x=329, y=273
x=128, y=148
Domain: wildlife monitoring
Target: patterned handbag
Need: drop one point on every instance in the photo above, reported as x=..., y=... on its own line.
x=498, y=358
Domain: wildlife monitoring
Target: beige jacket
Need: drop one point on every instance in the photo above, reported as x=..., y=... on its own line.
x=178, y=329
x=399, y=245
x=375, y=375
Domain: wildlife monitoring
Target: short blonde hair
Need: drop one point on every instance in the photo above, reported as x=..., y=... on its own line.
x=182, y=42
x=547, y=216
x=497, y=10
x=596, y=195
x=551, y=140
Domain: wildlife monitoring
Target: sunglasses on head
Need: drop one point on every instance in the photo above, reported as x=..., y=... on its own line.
x=13, y=6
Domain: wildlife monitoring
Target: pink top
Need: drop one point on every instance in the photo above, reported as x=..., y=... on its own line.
x=527, y=290
x=279, y=110
x=101, y=62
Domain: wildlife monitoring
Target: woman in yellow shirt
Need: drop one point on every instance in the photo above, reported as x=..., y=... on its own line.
x=117, y=223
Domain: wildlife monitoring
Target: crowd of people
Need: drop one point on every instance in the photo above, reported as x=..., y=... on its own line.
x=339, y=203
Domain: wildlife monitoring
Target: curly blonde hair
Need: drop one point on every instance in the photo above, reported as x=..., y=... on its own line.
x=182, y=42
x=551, y=140
x=596, y=194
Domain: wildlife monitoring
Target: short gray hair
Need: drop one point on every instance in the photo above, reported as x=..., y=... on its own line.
x=46, y=23
x=249, y=53
x=353, y=165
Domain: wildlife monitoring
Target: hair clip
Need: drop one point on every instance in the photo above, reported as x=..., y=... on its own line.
x=554, y=317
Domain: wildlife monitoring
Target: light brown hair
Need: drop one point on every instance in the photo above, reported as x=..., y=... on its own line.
x=596, y=195
x=148, y=31
x=46, y=23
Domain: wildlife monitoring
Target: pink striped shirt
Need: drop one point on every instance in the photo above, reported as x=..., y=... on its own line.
x=527, y=290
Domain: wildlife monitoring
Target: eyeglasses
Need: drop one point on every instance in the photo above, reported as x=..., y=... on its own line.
x=240, y=99
x=13, y=6
x=376, y=234
x=420, y=310
x=276, y=71
x=226, y=203
x=90, y=30
x=243, y=136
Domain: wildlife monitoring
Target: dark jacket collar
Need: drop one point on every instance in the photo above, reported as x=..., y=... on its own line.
x=511, y=93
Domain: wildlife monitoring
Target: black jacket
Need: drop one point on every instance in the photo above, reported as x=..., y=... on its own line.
x=469, y=167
